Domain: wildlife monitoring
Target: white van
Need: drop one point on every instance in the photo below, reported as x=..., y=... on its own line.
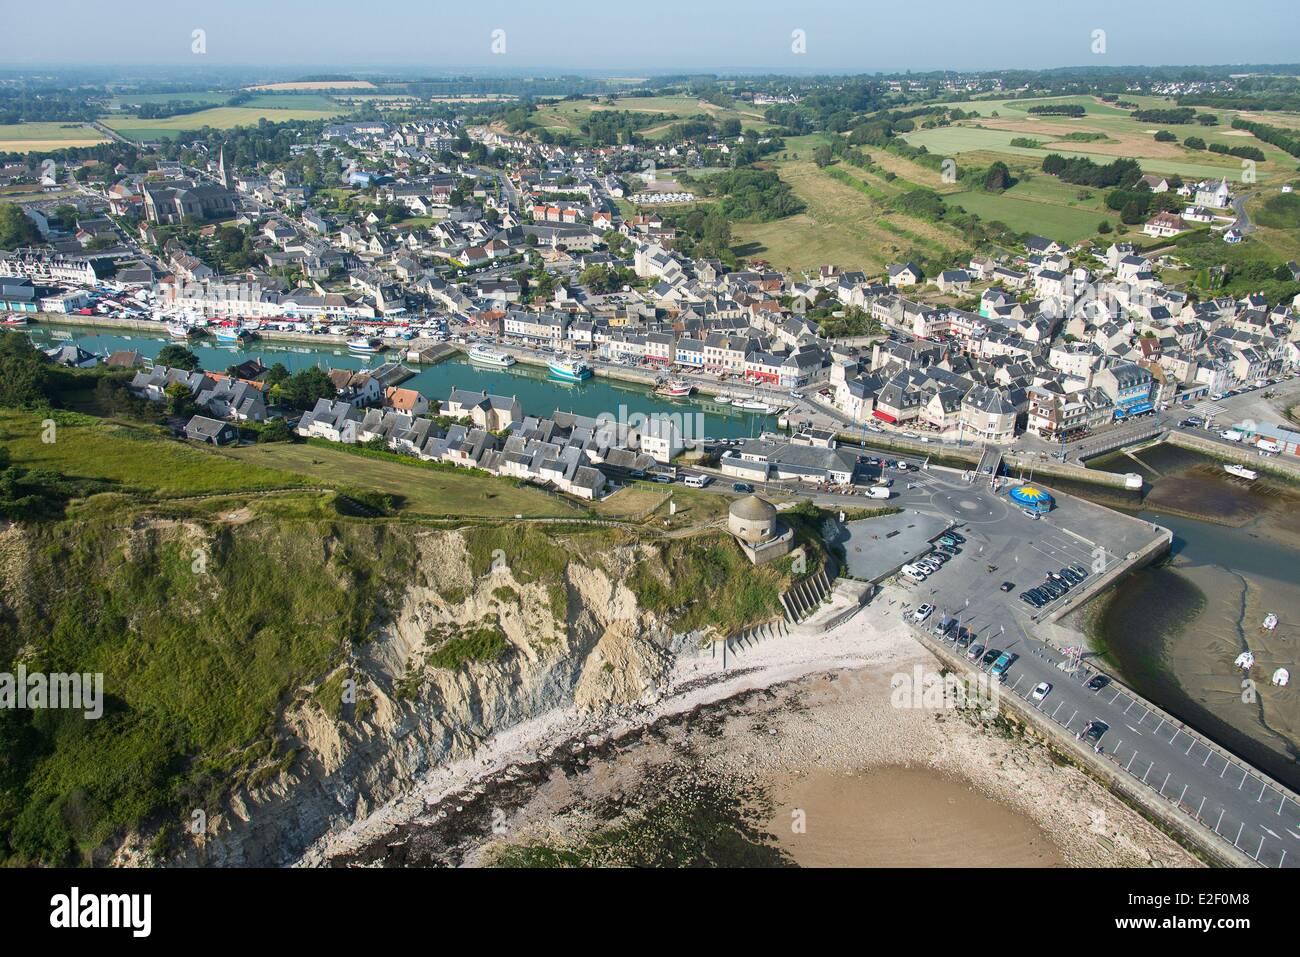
x=878, y=491
x=696, y=481
x=914, y=573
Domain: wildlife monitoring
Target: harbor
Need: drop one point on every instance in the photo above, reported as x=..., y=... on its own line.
x=530, y=381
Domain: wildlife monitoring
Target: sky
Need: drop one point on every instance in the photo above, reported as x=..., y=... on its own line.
x=631, y=38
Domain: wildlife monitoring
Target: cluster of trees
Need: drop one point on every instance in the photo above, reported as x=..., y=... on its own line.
x=604, y=279
x=751, y=194
x=616, y=127
x=40, y=102
x=1283, y=139
x=16, y=229
x=1243, y=152
x=1175, y=116
x=1059, y=109
x=703, y=232
x=1084, y=172
x=1164, y=136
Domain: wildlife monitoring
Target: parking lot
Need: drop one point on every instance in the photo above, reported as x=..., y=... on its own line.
x=1214, y=789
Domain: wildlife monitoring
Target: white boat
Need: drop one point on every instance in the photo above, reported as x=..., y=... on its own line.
x=1270, y=621
x=676, y=389
x=569, y=368
x=14, y=319
x=1245, y=661
x=365, y=345
x=1241, y=472
x=485, y=355
x=722, y=398
x=754, y=405
x=1281, y=677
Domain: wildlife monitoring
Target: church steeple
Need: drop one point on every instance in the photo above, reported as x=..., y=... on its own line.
x=221, y=168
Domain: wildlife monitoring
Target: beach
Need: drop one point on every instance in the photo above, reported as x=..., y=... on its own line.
x=797, y=755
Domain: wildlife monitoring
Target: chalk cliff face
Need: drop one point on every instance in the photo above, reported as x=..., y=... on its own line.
x=584, y=640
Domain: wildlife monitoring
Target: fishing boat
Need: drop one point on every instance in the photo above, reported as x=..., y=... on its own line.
x=1241, y=472
x=487, y=356
x=232, y=334
x=365, y=345
x=1270, y=621
x=1245, y=661
x=13, y=319
x=675, y=389
x=1281, y=677
x=182, y=330
x=569, y=368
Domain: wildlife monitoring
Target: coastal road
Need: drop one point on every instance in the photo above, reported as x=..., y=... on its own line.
x=1210, y=786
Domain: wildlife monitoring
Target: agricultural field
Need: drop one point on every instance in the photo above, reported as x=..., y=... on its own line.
x=211, y=97
x=43, y=137
x=567, y=115
x=1001, y=121
x=847, y=220
x=1041, y=204
x=221, y=118
x=316, y=85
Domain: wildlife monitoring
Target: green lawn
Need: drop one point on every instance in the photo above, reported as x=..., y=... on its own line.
x=135, y=459
x=424, y=491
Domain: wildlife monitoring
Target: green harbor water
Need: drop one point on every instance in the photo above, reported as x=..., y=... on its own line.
x=538, y=393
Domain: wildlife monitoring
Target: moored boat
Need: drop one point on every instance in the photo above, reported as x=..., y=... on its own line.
x=1241, y=472
x=232, y=334
x=569, y=368
x=13, y=319
x=675, y=389
x=365, y=345
x=485, y=355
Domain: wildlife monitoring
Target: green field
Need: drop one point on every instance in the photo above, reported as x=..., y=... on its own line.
x=43, y=137
x=1063, y=223
x=567, y=115
x=423, y=491
x=221, y=118
x=212, y=97
x=128, y=458
x=847, y=222
x=956, y=140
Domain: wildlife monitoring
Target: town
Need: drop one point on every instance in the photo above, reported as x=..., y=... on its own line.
x=832, y=465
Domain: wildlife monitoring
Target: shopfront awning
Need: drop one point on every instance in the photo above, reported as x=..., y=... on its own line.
x=884, y=416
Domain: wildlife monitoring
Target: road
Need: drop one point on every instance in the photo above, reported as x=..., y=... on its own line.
x=1216, y=790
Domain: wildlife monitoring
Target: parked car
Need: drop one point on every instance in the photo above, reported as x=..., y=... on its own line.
x=990, y=656
x=1041, y=691
x=1002, y=663
x=1098, y=682
x=742, y=487
x=923, y=612
x=1029, y=599
x=1007, y=586
x=975, y=652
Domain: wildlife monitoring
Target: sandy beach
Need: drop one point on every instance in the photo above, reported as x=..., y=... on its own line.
x=793, y=756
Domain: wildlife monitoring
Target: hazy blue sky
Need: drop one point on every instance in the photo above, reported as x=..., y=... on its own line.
x=614, y=36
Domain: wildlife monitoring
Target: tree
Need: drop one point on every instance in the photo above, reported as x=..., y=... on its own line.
x=16, y=229
x=822, y=155
x=997, y=178
x=180, y=401
x=276, y=430
x=1104, y=226
x=304, y=388
x=177, y=357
